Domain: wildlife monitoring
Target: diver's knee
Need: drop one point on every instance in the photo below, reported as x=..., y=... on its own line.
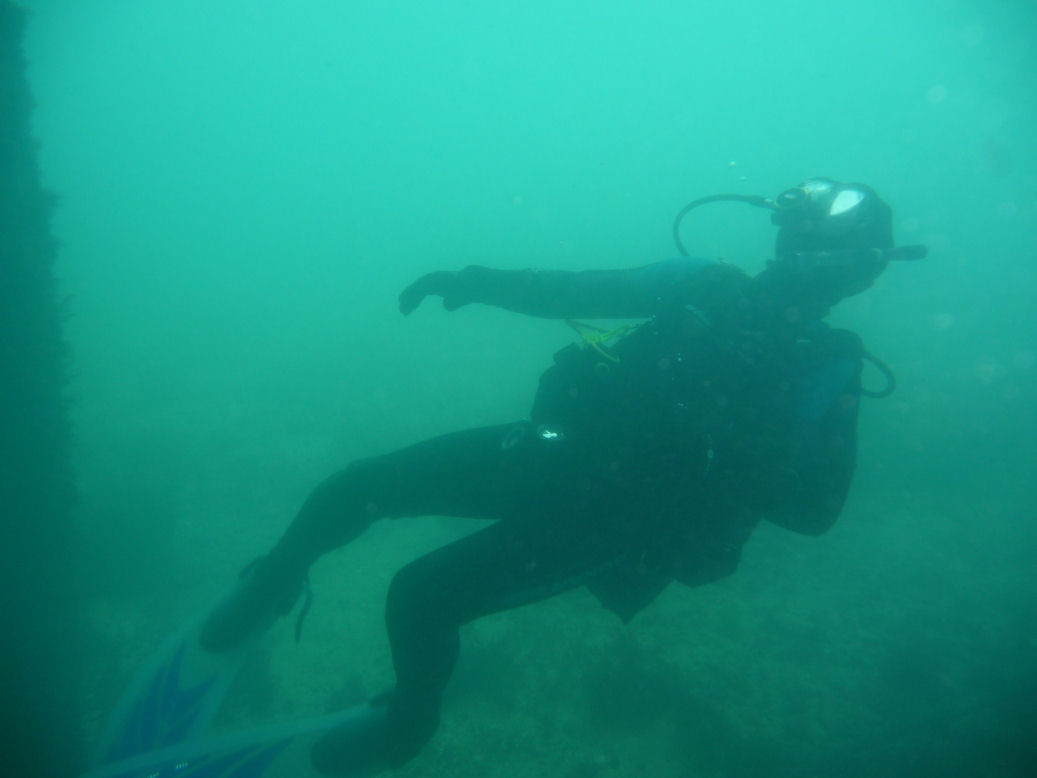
x=339, y=485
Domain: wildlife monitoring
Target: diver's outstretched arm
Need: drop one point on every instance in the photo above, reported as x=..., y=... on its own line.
x=592, y=294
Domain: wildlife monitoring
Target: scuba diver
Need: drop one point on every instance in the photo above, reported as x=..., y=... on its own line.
x=649, y=455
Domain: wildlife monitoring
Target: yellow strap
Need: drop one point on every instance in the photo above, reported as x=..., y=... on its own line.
x=594, y=336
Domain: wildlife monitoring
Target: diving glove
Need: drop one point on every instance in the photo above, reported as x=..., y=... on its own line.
x=448, y=284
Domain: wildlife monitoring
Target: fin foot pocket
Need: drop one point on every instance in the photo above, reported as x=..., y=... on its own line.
x=261, y=596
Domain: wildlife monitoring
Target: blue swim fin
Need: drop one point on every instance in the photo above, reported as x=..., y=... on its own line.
x=278, y=751
x=172, y=698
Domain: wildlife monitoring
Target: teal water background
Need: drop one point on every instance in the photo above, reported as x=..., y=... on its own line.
x=244, y=189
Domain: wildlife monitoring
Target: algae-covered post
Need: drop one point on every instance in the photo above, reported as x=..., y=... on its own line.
x=38, y=676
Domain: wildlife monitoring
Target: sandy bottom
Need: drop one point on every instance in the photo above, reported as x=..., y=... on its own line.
x=894, y=645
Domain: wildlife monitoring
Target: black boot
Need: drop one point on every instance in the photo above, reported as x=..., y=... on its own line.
x=357, y=747
x=262, y=596
x=379, y=735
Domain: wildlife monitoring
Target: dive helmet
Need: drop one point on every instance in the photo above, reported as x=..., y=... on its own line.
x=824, y=215
x=822, y=222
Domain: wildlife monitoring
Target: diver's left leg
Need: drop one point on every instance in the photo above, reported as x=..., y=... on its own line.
x=511, y=563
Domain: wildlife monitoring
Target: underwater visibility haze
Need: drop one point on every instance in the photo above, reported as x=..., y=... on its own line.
x=244, y=188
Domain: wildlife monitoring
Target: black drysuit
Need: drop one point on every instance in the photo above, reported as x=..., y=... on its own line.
x=648, y=461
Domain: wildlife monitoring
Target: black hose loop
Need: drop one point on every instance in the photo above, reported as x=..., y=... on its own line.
x=757, y=200
x=891, y=380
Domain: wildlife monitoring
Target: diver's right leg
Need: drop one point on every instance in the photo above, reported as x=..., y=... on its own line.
x=460, y=474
